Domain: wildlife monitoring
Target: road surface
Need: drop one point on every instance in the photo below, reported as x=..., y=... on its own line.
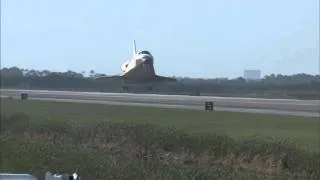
x=254, y=105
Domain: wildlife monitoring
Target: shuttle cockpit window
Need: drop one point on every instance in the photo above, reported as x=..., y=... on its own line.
x=144, y=52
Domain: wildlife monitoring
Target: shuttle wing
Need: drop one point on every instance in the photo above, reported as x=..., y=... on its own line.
x=115, y=77
x=165, y=79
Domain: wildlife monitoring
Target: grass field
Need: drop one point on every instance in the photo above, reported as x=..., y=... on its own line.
x=199, y=144
x=303, y=130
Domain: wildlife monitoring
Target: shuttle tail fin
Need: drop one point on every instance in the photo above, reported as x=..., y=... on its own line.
x=134, y=48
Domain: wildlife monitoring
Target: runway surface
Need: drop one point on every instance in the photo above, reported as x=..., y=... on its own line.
x=309, y=108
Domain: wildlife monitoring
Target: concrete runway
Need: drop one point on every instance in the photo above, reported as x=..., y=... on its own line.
x=309, y=108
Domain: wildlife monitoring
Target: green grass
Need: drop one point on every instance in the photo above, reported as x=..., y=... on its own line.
x=115, y=142
x=304, y=130
x=98, y=165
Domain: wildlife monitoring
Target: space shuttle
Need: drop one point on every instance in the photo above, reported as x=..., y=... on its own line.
x=138, y=70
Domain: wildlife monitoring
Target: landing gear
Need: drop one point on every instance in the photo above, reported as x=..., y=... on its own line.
x=125, y=88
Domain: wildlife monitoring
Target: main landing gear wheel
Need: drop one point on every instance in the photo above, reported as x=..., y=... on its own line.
x=125, y=88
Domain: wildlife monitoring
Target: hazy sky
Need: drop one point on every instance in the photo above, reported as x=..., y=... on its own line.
x=195, y=38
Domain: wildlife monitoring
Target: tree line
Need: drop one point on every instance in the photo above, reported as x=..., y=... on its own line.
x=303, y=86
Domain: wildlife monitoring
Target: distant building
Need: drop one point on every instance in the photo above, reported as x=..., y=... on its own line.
x=252, y=74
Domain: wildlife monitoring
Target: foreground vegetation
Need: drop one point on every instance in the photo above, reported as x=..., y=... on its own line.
x=40, y=136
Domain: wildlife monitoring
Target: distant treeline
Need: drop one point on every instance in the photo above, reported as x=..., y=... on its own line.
x=301, y=86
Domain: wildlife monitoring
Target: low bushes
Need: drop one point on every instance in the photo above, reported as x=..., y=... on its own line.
x=133, y=151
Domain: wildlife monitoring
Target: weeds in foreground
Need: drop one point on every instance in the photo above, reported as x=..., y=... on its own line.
x=135, y=151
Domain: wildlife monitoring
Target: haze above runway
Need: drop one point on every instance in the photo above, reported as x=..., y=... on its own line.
x=294, y=107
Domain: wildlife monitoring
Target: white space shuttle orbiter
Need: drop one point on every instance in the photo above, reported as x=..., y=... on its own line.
x=139, y=70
